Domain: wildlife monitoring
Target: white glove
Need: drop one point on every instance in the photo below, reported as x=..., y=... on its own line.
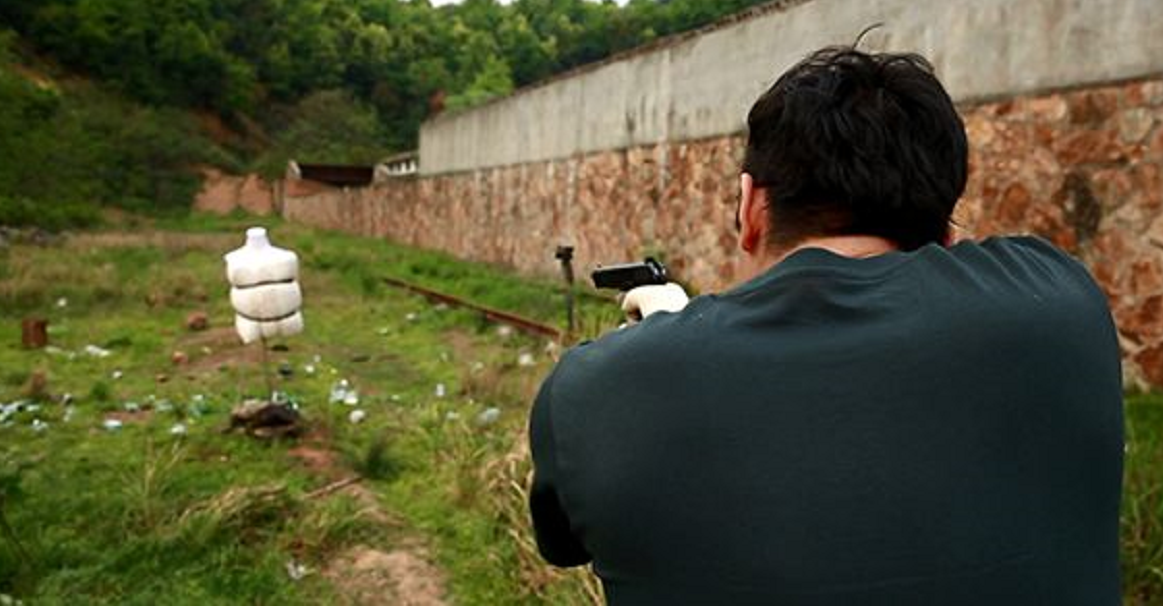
x=645, y=300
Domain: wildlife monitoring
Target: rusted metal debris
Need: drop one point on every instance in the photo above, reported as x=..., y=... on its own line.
x=34, y=333
x=518, y=322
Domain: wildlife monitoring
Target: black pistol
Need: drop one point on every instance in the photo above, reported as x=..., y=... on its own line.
x=630, y=275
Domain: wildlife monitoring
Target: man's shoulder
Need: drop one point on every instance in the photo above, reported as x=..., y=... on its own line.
x=655, y=344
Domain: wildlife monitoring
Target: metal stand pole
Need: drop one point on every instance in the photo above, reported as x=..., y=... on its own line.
x=266, y=369
x=565, y=255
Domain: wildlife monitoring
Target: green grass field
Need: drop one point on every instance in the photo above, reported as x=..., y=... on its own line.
x=169, y=509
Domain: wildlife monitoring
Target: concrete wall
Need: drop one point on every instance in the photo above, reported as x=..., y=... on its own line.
x=701, y=86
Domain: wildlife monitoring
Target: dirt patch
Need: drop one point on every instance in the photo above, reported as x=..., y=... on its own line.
x=219, y=348
x=317, y=459
x=403, y=577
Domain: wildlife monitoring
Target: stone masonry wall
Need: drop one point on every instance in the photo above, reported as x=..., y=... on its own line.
x=222, y=193
x=1082, y=168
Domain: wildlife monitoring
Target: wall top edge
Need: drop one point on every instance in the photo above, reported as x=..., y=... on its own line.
x=662, y=44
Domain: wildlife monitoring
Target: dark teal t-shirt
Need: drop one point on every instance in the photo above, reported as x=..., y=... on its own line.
x=942, y=426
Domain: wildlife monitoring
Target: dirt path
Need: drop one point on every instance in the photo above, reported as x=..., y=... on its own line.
x=401, y=574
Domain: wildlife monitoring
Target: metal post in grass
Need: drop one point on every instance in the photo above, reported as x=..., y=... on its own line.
x=564, y=254
x=34, y=333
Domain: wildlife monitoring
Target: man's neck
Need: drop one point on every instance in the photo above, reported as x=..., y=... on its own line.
x=855, y=247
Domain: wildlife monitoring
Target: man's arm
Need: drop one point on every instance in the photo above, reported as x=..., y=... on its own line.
x=551, y=525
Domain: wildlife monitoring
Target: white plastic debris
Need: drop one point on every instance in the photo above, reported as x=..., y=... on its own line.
x=111, y=424
x=179, y=429
x=309, y=369
x=116, y=375
x=264, y=289
x=97, y=352
x=131, y=407
x=440, y=390
x=356, y=416
x=38, y=425
x=411, y=317
x=489, y=416
x=351, y=398
x=70, y=411
x=526, y=359
x=62, y=303
x=395, y=397
x=504, y=331
x=339, y=392
x=297, y=571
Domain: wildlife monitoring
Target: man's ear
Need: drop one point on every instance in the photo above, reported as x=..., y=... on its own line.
x=753, y=215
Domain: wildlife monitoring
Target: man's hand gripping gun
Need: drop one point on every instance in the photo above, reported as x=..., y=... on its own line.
x=644, y=285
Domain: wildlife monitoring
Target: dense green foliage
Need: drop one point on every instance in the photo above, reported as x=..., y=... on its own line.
x=64, y=150
x=172, y=85
x=244, y=56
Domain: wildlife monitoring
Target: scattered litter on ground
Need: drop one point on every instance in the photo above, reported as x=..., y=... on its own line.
x=38, y=425
x=7, y=411
x=309, y=369
x=526, y=359
x=53, y=350
x=97, y=352
x=68, y=415
x=504, y=331
x=440, y=390
x=356, y=416
x=62, y=303
x=297, y=571
x=66, y=399
x=116, y=375
x=440, y=307
x=198, y=406
x=395, y=397
x=412, y=317
x=131, y=407
x=343, y=392
x=179, y=429
x=111, y=424
x=489, y=416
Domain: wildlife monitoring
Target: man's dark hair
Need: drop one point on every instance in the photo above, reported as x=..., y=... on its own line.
x=848, y=142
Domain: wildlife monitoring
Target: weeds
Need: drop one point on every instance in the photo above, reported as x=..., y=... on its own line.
x=146, y=489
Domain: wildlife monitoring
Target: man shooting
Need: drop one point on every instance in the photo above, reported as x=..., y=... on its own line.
x=874, y=415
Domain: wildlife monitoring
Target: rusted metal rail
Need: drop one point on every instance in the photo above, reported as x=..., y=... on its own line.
x=518, y=322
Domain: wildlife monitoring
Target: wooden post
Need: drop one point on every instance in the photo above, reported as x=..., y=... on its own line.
x=34, y=333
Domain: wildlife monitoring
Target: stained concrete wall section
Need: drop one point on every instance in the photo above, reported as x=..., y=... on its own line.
x=702, y=86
